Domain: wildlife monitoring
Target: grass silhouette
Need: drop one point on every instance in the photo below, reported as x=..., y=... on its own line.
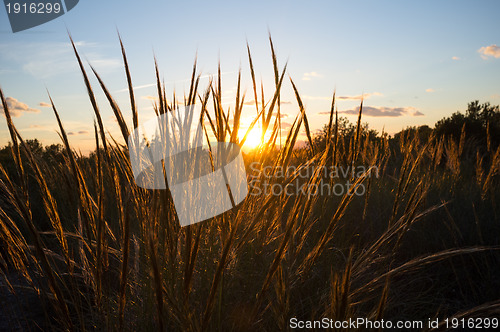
x=103, y=253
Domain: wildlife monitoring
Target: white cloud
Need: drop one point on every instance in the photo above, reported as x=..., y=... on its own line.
x=316, y=97
x=143, y=86
x=44, y=126
x=252, y=102
x=48, y=59
x=492, y=50
x=376, y=111
x=456, y=58
x=149, y=97
x=430, y=90
x=17, y=108
x=309, y=76
x=346, y=97
x=359, y=97
x=44, y=104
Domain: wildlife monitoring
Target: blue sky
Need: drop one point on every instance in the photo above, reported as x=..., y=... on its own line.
x=416, y=62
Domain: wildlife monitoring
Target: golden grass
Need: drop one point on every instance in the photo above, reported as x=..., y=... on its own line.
x=252, y=267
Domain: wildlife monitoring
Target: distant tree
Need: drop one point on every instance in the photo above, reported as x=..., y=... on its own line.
x=35, y=146
x=479, y=120
x=50, y=154
x=53, y=149
x=346, y=130
x=5, y=152
x=424, y=132
x=6, y=158
x=53, y=153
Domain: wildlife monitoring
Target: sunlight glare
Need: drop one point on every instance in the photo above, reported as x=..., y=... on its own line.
x=253, y=140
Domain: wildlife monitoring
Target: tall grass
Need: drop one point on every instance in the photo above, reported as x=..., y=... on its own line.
x=115, y=258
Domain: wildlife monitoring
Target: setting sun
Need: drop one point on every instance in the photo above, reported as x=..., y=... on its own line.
x=254, y=138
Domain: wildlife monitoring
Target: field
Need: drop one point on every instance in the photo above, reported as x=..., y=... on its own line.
x=82, y=241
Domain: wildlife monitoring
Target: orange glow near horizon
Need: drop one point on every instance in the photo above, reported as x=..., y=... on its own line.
x=254, y=138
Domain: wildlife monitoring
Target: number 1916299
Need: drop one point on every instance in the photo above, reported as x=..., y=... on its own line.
x=33, y=8
x=472, y=323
